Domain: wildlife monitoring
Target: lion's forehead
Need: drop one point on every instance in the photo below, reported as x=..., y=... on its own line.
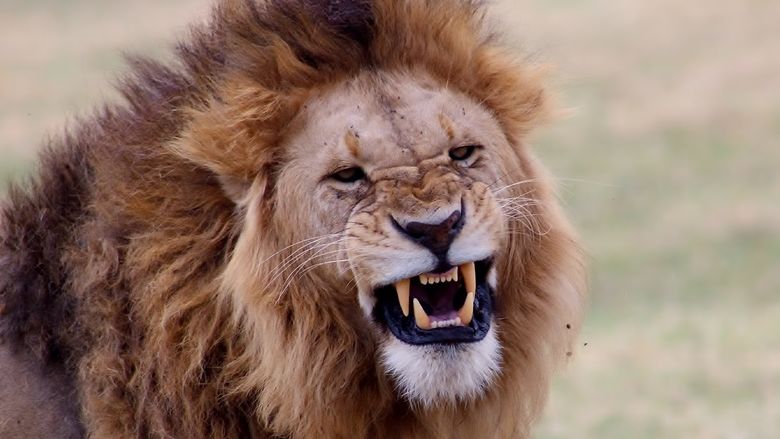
x=390, y=121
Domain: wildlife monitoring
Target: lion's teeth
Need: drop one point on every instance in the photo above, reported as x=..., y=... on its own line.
x=433, y=278
x=466, y=312
x=469, y=277
x=402, y=290
x=420, y=318
x=446, y=323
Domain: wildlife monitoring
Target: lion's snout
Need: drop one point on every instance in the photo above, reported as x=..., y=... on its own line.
x=435, y=235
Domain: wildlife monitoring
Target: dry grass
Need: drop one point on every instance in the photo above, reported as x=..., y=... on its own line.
x=668, y=164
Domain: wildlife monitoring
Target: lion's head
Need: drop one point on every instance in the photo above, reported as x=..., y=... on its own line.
x=394, y=181
x=396, y=235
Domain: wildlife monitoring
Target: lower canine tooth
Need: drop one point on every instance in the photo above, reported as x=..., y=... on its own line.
x=420, y=318
x=466, y=312
x=402, y=290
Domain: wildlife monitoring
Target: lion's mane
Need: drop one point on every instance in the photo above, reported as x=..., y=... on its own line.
x=113, y=259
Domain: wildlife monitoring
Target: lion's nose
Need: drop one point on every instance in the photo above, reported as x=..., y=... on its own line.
x=436, y=237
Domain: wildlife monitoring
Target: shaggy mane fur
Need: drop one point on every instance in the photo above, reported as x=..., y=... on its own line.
x=112, y=261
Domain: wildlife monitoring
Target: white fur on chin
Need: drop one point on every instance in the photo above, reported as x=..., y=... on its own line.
x=434, y=375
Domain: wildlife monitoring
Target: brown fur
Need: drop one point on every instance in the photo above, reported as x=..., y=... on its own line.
x=353, y=144
x=119, y=261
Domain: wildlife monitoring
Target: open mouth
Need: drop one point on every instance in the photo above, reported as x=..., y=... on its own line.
x=453, y=306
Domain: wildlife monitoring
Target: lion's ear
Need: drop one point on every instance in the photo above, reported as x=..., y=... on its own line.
x=234, y=147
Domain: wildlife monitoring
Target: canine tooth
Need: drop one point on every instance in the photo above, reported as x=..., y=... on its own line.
x=424, y=279
x=469, y=277
x=466, y=312
x=420, y=318
x=458, y=321
x=402, y=290
x=455, y=274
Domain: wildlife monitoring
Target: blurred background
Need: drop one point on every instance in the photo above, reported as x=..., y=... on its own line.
x=668, y=162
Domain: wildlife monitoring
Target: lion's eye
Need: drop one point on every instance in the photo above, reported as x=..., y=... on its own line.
x=349, y=175
x=462, y=153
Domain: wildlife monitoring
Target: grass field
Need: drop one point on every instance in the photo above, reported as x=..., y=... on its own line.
x=668, y=162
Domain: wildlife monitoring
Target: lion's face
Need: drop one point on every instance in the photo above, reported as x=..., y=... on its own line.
x=392, y=181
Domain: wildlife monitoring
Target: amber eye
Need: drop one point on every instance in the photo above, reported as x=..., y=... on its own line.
x=462, y=152
x=349, y=175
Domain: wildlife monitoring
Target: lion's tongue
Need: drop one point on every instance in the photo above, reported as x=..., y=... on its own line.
x=438, y=293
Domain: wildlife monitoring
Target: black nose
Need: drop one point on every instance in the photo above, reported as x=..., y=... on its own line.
x=436, y=237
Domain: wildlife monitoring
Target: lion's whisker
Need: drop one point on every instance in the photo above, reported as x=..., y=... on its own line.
x=292, y=259
x=315, y=239
x=301, y=270
x=517, y=183
x=318, y=254
x=297, y=253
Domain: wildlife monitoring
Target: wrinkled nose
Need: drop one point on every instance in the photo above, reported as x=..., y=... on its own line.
x=435, y=237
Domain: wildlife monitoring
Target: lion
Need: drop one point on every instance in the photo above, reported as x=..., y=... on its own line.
x=322, y=220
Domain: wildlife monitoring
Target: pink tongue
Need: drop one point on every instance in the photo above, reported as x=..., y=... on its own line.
x=437, y=299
